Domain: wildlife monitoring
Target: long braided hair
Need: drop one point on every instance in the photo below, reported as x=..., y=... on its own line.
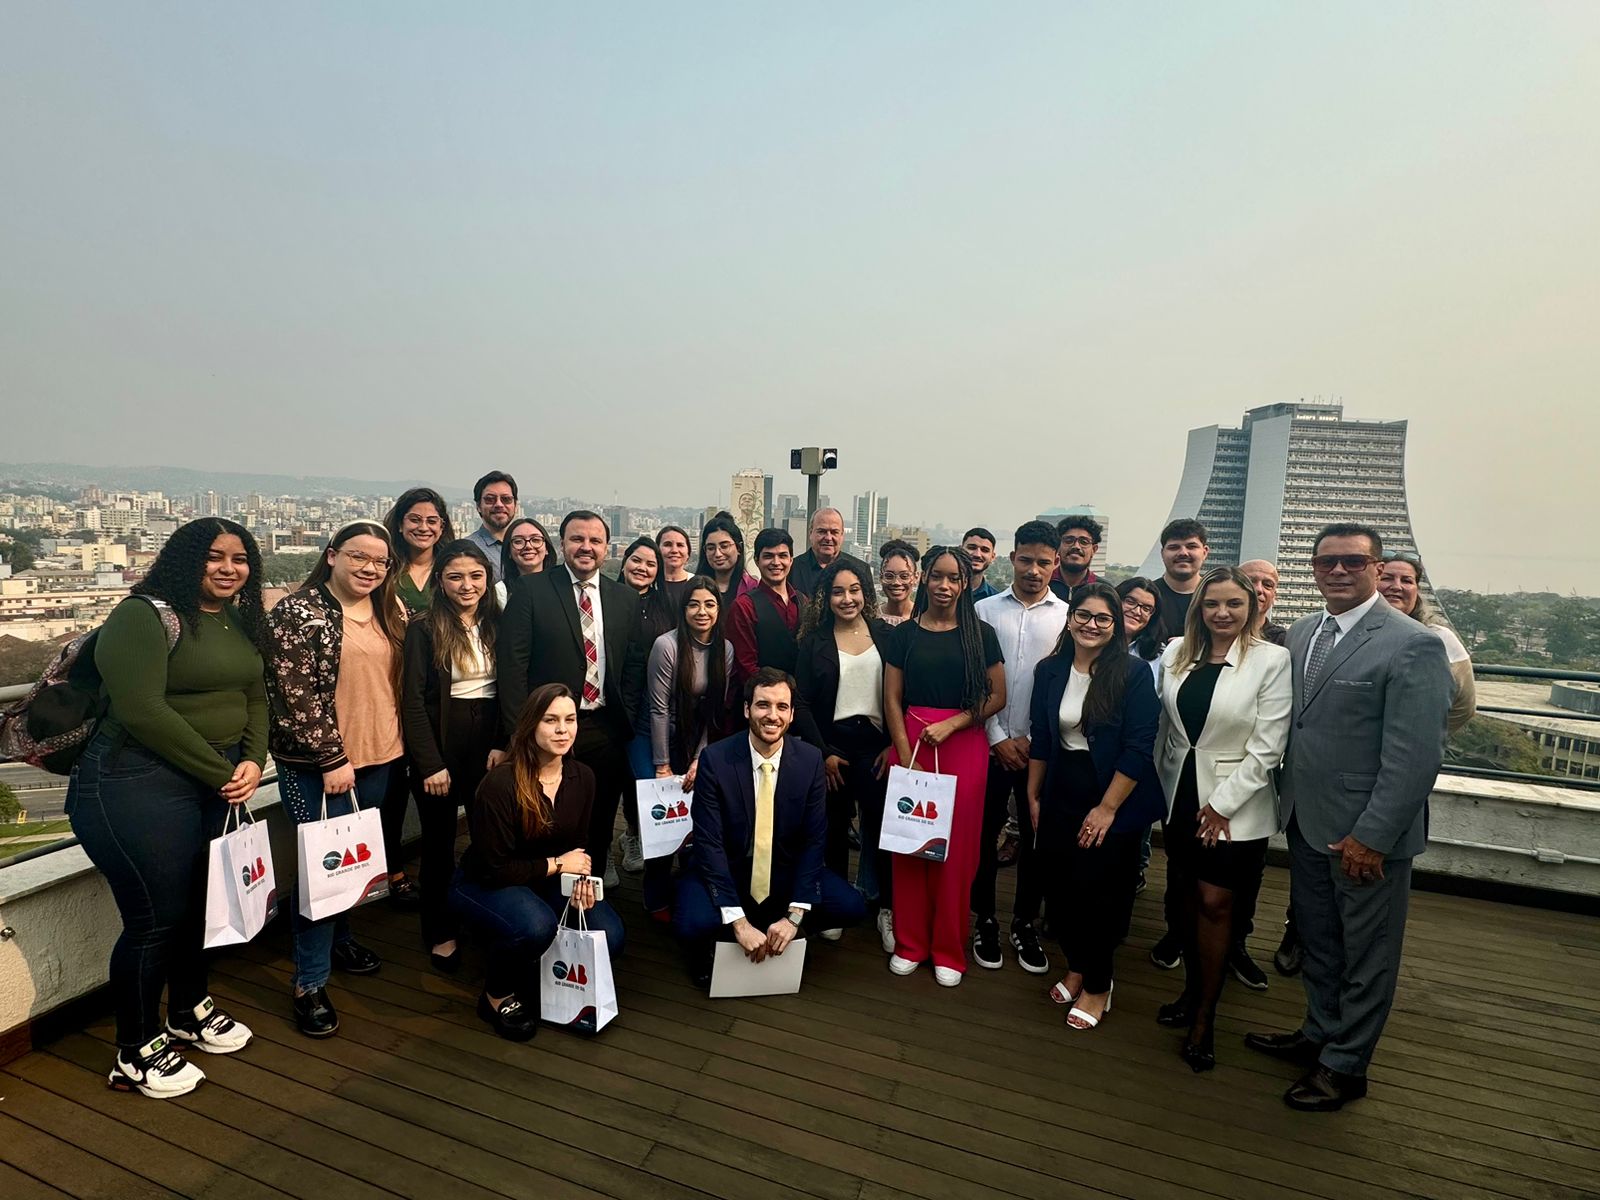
x=974, y=671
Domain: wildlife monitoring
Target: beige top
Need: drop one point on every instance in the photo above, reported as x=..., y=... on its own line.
x=364, y=697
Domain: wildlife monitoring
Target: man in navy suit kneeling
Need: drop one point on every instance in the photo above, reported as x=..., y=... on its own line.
x=760, y=817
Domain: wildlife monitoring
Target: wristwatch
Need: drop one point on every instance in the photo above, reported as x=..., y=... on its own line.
x=796, y=915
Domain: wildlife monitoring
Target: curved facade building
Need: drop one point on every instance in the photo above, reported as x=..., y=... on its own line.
x=1265, y=489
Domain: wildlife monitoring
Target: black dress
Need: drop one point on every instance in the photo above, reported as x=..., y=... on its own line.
x=1228, y=864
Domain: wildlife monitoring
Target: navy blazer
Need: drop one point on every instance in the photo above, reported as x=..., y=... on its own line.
x=1126, y=744
x=724, y=814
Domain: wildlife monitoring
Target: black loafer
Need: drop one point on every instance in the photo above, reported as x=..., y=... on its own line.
x=1325, y=1090
x=314, y=1015
x=355, y=959
x=404, y=894
x=1290, y=956
x=512, y=1020
x=449, y=964
x=1293, y=1047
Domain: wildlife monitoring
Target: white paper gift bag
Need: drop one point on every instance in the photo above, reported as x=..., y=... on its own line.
x=917, y=810
x=664, y=815
x=341, y=862
x=575, y=984
x=241, y=889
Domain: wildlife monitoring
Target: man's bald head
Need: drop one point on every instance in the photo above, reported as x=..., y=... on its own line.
x=1263, y=576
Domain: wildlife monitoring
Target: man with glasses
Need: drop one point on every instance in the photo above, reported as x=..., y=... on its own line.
x=1366, y=740
x=1027, y=620
x=496, y=497
x=1078, y=540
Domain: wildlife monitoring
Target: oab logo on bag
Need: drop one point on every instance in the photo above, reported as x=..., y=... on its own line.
x=918, y=810
x=253, y=873
x=335, y=861
x=670, y=812
x=573, y=976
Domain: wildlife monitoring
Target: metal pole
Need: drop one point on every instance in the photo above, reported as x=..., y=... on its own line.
x=813, y=487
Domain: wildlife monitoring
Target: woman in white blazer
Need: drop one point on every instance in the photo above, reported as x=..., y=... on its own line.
x=1225, y=701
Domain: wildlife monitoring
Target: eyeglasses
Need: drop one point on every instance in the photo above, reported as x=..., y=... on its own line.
x=367, y=560
x=497, y=501
x=1077, y=541
x=1098, y=620
x=1324, y=563
x=1405, y=556
x=897, y=576
x=1130, y=606
x=522, y=543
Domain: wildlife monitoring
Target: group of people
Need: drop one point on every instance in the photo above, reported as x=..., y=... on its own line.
x=504, y=674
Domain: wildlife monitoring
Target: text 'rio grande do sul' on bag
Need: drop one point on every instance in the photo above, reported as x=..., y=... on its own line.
x=917, y=809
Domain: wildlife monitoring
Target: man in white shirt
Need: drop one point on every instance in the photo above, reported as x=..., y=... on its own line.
x=760, y=822
x=1028, y=620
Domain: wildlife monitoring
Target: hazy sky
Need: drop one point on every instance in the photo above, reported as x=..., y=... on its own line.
x=1002, y=255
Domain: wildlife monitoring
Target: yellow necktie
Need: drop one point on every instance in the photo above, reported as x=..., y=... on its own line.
x=761, y=868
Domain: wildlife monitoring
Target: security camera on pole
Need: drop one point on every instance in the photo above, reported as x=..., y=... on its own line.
x=812, y=461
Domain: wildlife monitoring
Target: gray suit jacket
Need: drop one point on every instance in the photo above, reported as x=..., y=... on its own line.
x=1366, y=743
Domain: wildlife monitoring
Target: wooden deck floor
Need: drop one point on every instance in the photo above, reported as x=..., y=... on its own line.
x=863, y=1086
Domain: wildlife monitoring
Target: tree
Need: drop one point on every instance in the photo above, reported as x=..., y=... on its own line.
x=1571, y=630
x=1474, y=615
x=10, y=806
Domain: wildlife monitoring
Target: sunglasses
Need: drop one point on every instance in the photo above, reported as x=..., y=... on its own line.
x=1350, y=562
x=1405, y=556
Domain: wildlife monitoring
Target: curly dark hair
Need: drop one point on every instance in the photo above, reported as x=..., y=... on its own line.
x=180, y=568
x=818, y=612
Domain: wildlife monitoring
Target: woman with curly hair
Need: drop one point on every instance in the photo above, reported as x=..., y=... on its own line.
x=418, y=524
x=943, y=677
x=843, y=644
x=183, y=737
x=333, y=675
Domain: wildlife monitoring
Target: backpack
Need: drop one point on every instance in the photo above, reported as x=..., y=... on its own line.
x=50, y=726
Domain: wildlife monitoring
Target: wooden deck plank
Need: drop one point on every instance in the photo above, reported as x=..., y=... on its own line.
x=14, y=1185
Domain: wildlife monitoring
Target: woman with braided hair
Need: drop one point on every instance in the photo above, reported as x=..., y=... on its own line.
x=942, y=678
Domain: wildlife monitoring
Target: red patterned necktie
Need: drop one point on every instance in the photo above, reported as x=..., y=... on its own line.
x=591, y=656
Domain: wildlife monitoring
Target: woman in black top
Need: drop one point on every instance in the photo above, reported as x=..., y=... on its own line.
x=722, y=559
x=943, y=677
x=525, y=550
x=451, y=720
x=643, y=571
x=673, y=542
x=840, y=672
x=530, y=825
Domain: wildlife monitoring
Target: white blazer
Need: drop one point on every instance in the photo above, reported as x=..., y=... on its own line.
x=1243, y=741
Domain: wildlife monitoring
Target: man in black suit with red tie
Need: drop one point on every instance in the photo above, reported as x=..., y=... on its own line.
x=760, y=818
x=569, y=624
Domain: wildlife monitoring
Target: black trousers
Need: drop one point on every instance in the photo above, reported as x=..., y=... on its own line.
x=473, y=726
x=860, y=743
x=603, y=748
x=1002, y=785
x=392, y=809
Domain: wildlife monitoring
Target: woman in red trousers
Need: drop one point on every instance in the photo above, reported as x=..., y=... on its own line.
x=942, y=678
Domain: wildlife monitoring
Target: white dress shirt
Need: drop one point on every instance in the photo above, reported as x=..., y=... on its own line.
x=1346, y=622
x=593, y=585
x=1027, y=634
x=732, y=914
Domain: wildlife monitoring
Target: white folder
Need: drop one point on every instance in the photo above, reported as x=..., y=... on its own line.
x=733, y=974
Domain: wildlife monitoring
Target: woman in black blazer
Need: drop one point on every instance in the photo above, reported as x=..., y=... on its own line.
x=840, y=673
x=451, y=719
x=1092, y=789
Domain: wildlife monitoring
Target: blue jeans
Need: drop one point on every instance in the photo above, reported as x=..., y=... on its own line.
x=147, y=826
x=521, y=923
x=301, y=793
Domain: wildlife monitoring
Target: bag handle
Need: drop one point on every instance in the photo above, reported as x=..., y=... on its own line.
x=583, y=921
x=912, y=765
x=355, y=803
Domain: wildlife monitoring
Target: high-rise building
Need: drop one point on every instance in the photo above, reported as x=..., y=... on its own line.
x=1265, y=489
x=766, y=500
x=1053, y=516
x=871, y=514
x=747, y=496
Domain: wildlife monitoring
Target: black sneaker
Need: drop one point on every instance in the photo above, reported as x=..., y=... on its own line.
x=1030, y=955
x=1244, y=968
x=512, y=1020
x=1141, y=884
x=986, y=944
x=314, y=1015
x=1290, y=955
x=353, y=958
x=155, y=1069
x=1167, y=953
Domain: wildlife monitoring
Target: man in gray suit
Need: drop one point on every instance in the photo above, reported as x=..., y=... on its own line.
x=1371, y=694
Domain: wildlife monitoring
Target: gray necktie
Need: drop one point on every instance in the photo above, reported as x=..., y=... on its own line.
x=1320, y=649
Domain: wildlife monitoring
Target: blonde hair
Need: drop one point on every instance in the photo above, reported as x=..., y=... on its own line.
x=1196, y=647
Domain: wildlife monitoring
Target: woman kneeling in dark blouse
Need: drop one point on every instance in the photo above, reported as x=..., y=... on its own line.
x=530, y=825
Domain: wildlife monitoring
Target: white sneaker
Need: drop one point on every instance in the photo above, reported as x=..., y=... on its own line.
x=210, y=1029
x=831, y=935
x=632, y=853
x=155, y=1069
x=611, y=878
x=886, y=929
x=902, y=966
x=947, y=976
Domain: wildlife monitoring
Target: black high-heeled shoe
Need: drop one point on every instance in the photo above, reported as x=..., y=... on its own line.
x=1199, y=1055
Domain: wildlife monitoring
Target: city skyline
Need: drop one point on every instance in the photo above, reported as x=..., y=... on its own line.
x=992, y=260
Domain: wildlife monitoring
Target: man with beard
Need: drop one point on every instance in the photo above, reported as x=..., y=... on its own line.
x=1079, y=538
x=1184, y=548
x=978, y=542
x=496, y=497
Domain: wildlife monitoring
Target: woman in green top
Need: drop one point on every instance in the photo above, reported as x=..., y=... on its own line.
x=184, y=736
x=418, y=524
